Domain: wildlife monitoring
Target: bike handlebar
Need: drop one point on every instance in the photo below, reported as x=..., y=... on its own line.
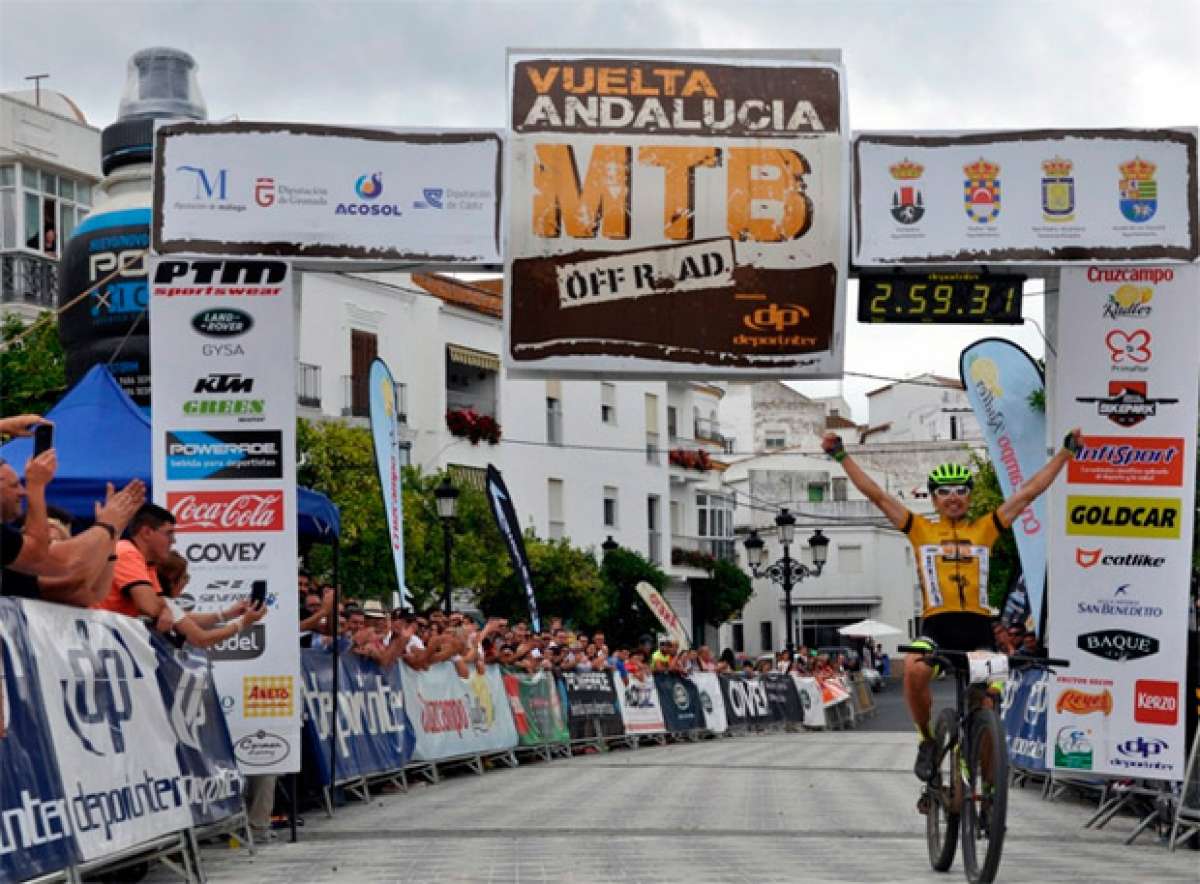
x=1014, y=660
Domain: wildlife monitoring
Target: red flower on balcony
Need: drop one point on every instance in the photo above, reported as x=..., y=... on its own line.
x=468, y=423
x=688, y=459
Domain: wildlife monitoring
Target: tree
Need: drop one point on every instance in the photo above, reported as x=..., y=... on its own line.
x=32, y=372
x=566, y=580
x=628, y=617
x=1004, y=562
x=723, y=594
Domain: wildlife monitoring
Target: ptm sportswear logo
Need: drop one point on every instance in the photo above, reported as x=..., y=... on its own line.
x=212, y=277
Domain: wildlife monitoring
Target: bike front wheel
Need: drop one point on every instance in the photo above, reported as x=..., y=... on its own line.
x=985, y=801
x=942, y=794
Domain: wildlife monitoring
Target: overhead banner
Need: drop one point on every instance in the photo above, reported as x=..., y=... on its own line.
x=505, y=515
x=638, y=699
x=385, y=438
x=1121, y=523
x=1044, y=196
x=676, y=214
x=593, y=710
x=708, y=687
x=1001, y=381
x=745, y=701
x=680, y=701
x=664, y=612
x=537, y=708
x=453, y=716
x=223, y=440
x=326, y=192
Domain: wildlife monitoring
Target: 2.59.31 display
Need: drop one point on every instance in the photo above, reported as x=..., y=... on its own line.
x=959, y=298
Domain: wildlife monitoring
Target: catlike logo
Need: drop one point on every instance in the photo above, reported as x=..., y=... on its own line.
x=1118, y=644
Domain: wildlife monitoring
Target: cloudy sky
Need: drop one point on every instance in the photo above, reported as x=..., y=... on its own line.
x=911, y=64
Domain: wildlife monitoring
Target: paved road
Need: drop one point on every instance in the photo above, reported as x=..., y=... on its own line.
x=892, y=715
x=782, y=807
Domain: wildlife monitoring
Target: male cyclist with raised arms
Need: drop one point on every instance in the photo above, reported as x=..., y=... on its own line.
x=952, y=562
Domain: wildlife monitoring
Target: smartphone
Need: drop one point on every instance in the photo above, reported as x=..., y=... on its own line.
x=43, y=438
x=258, y=593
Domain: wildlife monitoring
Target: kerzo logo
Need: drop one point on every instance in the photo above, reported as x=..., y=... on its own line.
x=96, y=695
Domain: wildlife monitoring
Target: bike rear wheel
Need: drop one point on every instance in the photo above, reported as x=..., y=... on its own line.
x=941, y=794
x=985, y=802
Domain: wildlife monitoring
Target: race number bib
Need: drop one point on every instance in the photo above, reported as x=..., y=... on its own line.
x=986, y=666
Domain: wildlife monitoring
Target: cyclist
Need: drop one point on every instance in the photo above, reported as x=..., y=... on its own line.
x=952, y=562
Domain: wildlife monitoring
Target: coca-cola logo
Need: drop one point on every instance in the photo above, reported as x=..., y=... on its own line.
x=226, y=511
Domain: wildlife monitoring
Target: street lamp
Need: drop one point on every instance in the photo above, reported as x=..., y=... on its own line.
x=609, y=545
x=447, y=508
x=787, y=571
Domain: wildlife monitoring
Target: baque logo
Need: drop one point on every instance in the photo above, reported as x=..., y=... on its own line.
x=1156, y=702
x=261, y=749
x=1139, y=190
x=1090, y=558
x=1120, y=604
x=908, y=206
x=1111, y=460
x=981, y=191
x=1073, y=748
x=96, y=695
x=1077, y=702
x=1129, y=301
x=1127, y=404
x=1124, y=516
x=775, y=318
x=264, y=192
x=227, y=322
x=1117, y=645
x=369, y=187
x=1058, y=191
x=268, y=696
x=1128, y=351
x=214, y=188
x=226, y=511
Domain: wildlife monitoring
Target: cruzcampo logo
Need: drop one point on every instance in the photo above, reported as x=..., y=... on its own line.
x=1159, y=517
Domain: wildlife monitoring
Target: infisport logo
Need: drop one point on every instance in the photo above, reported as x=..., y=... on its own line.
x=218, y=278
x=226, y=511
x=1156, y=702
x=1158, y=517
x=1113, y=460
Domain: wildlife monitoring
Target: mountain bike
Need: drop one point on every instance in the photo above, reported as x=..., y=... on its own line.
x=968, y=792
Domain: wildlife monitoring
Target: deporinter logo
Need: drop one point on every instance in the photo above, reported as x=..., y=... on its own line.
x=908, y=206
x=1127, y=403
x=1058, y=191
x=981, y=191
x=1159, y=517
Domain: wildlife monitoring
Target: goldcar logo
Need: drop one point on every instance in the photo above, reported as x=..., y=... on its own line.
x=1124, y=516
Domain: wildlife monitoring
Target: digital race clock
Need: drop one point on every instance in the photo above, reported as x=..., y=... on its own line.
x=949, y=298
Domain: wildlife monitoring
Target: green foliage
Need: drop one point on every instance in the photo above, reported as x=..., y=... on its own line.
x=628, y=617
x=567, y=582
x=1004, y=562
x=722, y=595
x=32, y=372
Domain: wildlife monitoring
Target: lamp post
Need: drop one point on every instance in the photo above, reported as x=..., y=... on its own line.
x=786, y=572
x=447, y=508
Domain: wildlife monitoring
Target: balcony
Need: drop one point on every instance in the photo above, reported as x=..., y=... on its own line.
x=707, y=430
x=701, y=552
x=480, y=403
x=28, y=279
x=308, y=385
x=356, y=395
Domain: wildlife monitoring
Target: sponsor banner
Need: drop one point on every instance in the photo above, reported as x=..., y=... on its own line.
x=783, y=698
x=811, y=702
x=593, y=710
x=537, y=708
x=676, y=214
x=224, y=457
x=1043, y=196
x=682, y=706
x=505, y=514
x=1122, y=521
x=1023, y=711
x=709, y=688
x=373, y=733
x=325, y=192
x=215, y=786
x=664, y=612
x=454, y=716
x=111, y=732
x=385, y=437
x=36, y=835
x=745, y=701
x=638, y=698
x=1000, y=379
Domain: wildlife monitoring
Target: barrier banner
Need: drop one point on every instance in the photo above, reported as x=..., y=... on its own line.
x=111, y=734
x=1002, y=381
x=782, y=697
x=698, y=234
x=1023, y=711
x=537, y=708
x=206, y=757
x=223, y=440
x=1121, y=519
x=638, y=698
x=834, y=691
x=454, y=716
x=708, y=685
x=374, y=733
x=500, y=500
x=810, y=701
x=679, y=698
x=593, y=709
x=385, y=439
x=745, y=701
x=35, y=814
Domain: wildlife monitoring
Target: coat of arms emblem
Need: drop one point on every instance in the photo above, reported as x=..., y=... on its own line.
x=907, y=203
x=981, y=191
x=1058, y=190
x=1139, y=190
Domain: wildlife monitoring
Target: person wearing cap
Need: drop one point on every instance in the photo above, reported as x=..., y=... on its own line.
x=953, y=552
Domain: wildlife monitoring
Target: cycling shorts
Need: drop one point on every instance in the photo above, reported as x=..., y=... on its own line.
x=959, y=631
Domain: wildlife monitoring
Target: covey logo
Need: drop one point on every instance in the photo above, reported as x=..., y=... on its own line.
x=1090, y=558
x=1124, y=516
x=1127, y=403
x=244, y=553
x=1156, y=702
x=1112, y=460
x=96, y=696
x=226, y=511
x=1117, y=644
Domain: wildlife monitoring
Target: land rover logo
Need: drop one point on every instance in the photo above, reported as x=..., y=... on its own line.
x=226, y=322
x=1118, y=644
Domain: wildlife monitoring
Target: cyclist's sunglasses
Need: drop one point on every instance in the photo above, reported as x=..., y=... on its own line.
x=947, y=490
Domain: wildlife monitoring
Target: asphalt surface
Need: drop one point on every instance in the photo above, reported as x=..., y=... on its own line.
x=811, y=806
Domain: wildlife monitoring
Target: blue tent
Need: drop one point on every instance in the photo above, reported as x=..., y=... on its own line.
x=101, y=436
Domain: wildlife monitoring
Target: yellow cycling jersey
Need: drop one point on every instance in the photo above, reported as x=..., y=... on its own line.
x=952, y=561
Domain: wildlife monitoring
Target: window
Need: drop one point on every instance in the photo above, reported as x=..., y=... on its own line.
x=554, y=421
x=672, y=422
x=840, y=488
x=714, y=516
x=364, y=347
x=608, y=403
x=8, y=176
x=652, y=428
x=764, y=636
x=554, y=497
x=953, y=427
x=775, y=442
x=739, y=638
x=816, y=492
x=610, y=506
x=850, y=559
x=654, y=538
